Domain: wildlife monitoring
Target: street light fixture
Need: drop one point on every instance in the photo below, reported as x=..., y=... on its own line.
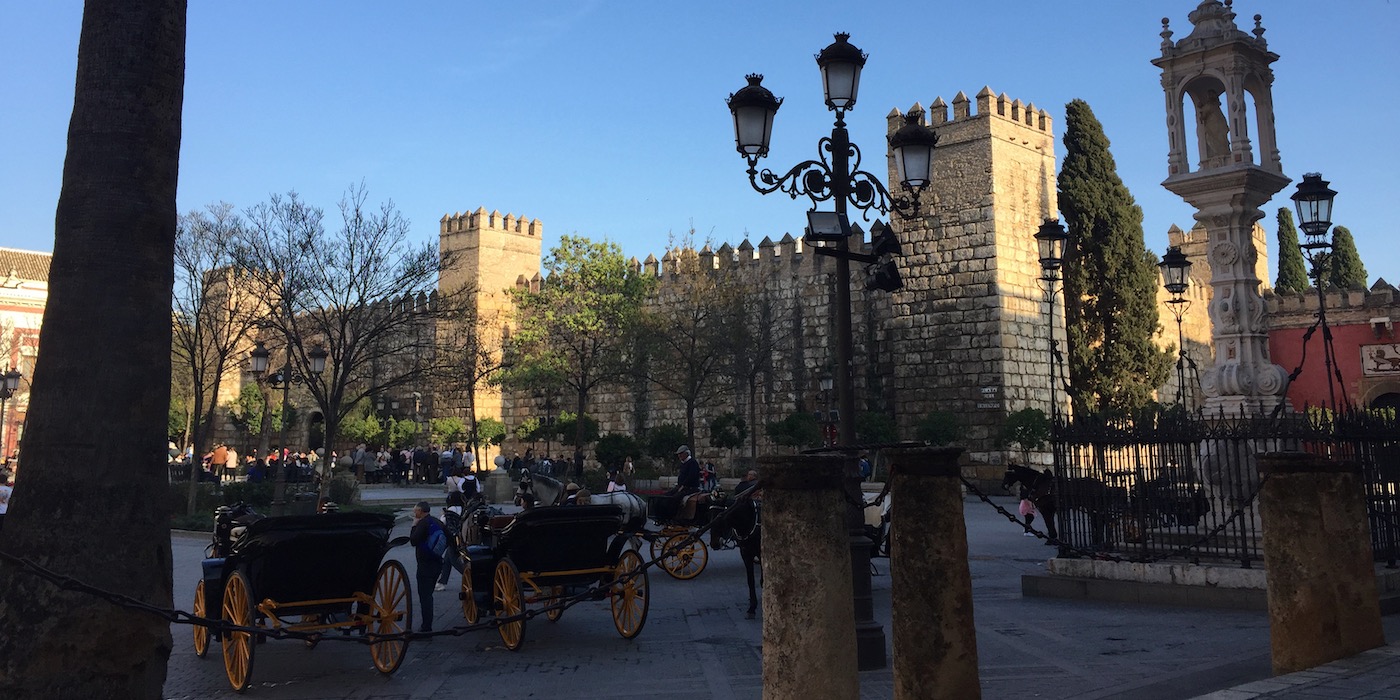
x=1176, y=277
x=1050, y=240
x=1313, y=200
x=283, y=379
x=7, y=390
x=836, y=176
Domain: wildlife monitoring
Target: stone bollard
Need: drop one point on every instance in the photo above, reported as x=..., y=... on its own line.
x=935, y=641
x=1323, y=604
x=809, y=636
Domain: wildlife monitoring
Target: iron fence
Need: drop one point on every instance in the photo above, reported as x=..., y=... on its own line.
x=1181, y=485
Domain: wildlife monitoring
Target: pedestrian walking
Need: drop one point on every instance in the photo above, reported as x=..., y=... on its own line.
x=429, y=541
x=1027, y=510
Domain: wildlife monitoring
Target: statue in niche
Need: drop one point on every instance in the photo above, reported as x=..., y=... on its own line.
x=1213, y=129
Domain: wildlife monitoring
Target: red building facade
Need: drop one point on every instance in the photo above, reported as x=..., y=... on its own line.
x=1367, y=350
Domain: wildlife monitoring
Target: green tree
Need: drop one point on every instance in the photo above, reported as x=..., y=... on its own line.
x=247, y=411
x=1028, y=429
x=614, y=448
x=662, y=441
x=939, y=428
x=400, y=433
x=728, y=431
x=797, y=430
x=576, y=328
x=110, y=285
x=1347, y=271
x=1292, y=271
x=448, y=430
x=571, y=430
x=1110, y=278
x=873, y=426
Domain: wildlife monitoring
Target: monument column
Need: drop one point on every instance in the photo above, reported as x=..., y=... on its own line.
x=1222, y=70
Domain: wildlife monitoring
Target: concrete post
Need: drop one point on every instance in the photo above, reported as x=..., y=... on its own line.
x=935, y=641
x=809, y=637
x=1323, y=604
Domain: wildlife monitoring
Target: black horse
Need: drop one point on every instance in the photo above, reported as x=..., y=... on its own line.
x=742, y=523
x=1040, y=487
x=1101, y=504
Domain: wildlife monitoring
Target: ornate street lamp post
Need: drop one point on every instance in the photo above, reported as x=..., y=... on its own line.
x=283, y=379
x=1176, y=277
x=1313, y=200
x=1050, y=240
x=7, y=390
x=837, y=177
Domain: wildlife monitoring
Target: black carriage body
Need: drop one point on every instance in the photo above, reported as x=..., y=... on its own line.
x=298, y=558
x=551, y=541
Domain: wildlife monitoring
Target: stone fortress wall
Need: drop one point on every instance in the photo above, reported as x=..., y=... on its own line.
x=966, y=335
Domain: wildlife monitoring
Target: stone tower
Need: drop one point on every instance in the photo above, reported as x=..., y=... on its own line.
x=487, y=255
x=972, y=321
x=1224, y=71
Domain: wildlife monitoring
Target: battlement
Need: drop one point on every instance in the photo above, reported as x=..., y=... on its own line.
x=480, y=220
x=988, y=105
x=1380, y=295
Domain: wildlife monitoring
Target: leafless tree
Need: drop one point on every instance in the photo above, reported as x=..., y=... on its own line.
x=214, y=305
x=362, y=291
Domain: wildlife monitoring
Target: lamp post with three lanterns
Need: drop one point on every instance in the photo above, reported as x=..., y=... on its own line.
x=836, y=176
x=283, y=378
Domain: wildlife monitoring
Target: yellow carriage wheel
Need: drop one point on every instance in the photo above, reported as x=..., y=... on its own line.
x=510, y=600
x=684, y=557
x=469, y=610
x=556, y=594
x=393, y=614
x=630, y=595
x=201, y=633
x=238, y=646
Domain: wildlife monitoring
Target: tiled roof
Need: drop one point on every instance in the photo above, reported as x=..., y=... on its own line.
x=24, y=264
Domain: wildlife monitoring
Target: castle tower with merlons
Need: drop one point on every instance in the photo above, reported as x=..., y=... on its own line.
x=486, y=255
x=972, y=325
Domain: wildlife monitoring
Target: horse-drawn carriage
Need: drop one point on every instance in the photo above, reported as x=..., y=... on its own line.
x=680, y=553
x=541, y=555
x=305, y=573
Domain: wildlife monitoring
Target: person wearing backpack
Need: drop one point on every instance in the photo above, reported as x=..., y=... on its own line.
x=429, y=540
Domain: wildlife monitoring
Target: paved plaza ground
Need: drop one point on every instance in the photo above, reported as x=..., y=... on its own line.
x=697, y=644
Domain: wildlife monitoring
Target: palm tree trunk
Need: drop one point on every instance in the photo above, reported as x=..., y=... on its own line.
x=95, y=444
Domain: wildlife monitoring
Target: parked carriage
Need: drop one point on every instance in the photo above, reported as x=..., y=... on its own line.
x=681, y=554
x=537, y=557
x=305, y=573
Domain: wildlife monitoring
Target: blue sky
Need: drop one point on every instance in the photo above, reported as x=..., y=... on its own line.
x=608, y=119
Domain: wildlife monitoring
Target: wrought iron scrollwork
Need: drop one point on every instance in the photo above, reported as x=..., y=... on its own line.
x=814, y=179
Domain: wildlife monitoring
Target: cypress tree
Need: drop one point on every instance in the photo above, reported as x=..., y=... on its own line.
x=1110, y=277
x=1347, y=271
x=1292, y=272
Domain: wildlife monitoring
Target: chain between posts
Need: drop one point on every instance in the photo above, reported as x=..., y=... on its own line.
x=1104, y=556
x=597, y=591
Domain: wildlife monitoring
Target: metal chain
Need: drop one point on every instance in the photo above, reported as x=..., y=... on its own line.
x=597, y=591
x=1104, y=556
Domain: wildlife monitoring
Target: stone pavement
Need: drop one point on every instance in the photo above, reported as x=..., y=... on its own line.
x=697, y=644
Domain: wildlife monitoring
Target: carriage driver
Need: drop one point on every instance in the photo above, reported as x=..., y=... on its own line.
x=687, y=482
